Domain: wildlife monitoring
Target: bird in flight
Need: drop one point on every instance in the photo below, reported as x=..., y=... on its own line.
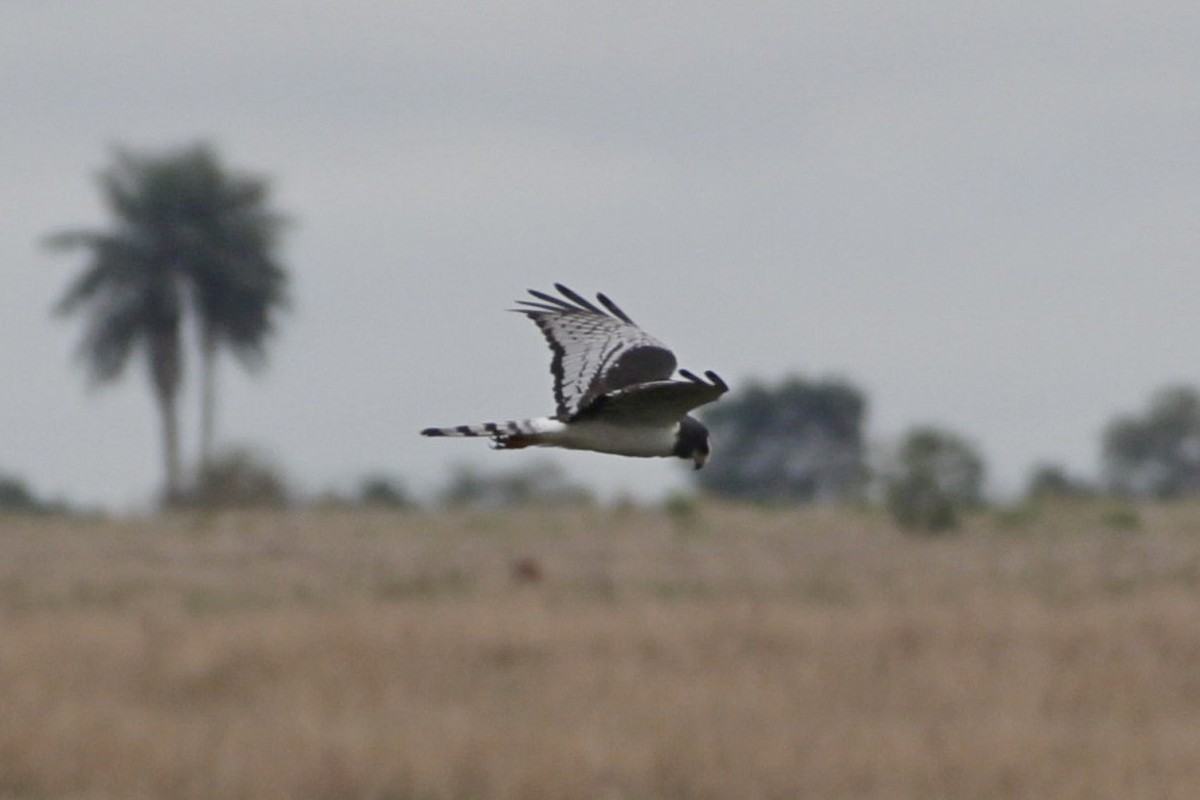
x=612, y=385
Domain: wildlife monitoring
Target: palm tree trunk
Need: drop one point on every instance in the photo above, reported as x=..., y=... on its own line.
x=166, y=373
x=173, y=485
x=208, y=394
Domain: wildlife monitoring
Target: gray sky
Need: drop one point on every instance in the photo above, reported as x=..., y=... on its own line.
x=985, y=218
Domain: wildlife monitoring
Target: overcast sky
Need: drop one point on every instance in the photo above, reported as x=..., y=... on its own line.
x=985, y=218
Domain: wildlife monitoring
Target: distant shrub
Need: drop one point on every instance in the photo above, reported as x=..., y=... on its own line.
x=15, y=495
x=539, y=483
x=1156, y=454
x=917, y=503
x=1122, y=518
x=935, y=475
x=382, y=492
x=1017, y=516
x=680, y=505
x=682, y=509
x=1053, y=482
x=239, y=478
x=17, y=498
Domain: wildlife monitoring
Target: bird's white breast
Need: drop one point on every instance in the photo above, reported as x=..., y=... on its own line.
x=604, y=437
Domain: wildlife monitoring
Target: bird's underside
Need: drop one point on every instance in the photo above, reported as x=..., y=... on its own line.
x=613, y=387
x=595, y=435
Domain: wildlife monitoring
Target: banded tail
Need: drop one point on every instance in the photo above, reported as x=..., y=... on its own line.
x=510, y=435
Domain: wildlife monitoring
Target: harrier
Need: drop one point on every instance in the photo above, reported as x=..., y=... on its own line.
x=612, y=385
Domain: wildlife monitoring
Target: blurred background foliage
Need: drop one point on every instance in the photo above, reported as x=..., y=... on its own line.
x=192, y=242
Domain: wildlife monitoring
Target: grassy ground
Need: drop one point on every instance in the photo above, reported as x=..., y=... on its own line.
x=709, y=653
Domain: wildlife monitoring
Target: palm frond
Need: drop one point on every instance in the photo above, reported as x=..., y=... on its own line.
x=111, y=336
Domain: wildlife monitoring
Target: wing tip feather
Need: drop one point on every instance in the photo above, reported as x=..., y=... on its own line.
x=714, y=379
x=574, y=302
x=614, y=308
x=577, y=298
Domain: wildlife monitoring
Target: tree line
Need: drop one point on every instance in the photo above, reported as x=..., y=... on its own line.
x=804, y=441
x=193, y=242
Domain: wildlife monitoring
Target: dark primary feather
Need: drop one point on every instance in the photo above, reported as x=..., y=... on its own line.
x=611, y=306
x=576, y=298
x=553, y=303
x=712, y=376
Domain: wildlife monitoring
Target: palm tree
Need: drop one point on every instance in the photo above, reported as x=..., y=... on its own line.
x=131, y=290
x=237, y=286
x=186, y=236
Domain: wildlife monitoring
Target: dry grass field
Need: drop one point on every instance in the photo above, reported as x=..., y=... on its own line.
x=589, y=653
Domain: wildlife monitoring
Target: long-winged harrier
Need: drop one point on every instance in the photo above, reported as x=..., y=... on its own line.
x=612, y=384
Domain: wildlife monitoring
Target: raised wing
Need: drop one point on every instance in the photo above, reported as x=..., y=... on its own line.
x=657, y=402
x=596, y=351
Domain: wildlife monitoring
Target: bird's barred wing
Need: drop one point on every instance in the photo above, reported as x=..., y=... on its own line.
x=658, y=402
x=595, y=351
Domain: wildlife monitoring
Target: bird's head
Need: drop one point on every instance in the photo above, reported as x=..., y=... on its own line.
x=691, y=441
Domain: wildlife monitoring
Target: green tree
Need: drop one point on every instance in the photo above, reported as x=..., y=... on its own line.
x=186, y=237
x=1156, y=454
x=935, y=475
x=798, y=441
